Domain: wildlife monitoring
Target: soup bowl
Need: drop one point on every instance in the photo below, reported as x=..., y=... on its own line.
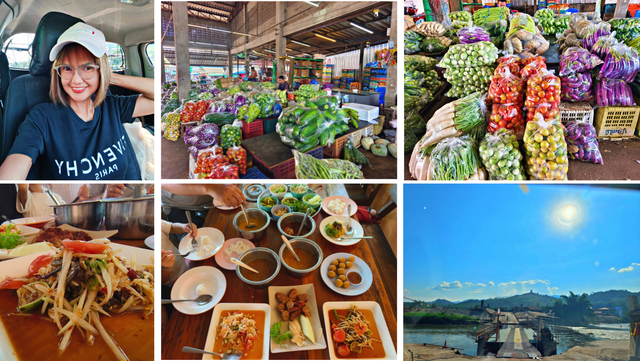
x=294, y=217
x=308, y=245
x=256, y=233
x=255, y=254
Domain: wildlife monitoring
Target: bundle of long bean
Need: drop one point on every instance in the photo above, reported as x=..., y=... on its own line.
x=455, y=118
x=308, y=167
x=454, y=159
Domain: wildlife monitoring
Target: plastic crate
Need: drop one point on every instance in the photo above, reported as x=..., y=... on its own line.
x=287, y=169
x=576, y=112
x=253, y=173
x=616, y=122
x=335, y=150
x=253, y=129
x=269, y=125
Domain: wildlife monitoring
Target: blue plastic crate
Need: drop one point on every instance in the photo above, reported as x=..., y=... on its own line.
x=253, y=173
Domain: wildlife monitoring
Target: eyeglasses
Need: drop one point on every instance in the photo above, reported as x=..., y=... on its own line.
x=86, y=71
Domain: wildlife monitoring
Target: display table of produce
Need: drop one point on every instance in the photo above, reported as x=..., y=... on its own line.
x=375, y=254
x=366, y=98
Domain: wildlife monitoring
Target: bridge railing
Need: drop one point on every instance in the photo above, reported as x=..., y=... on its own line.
x=485, y=333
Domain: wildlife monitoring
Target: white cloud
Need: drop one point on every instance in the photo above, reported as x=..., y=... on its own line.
x=622, y=270
x=635, y=264
x=554, y=288
x=481, y=285
x=477, y=291
x=597, y=263
x=491, y=284
x=407, y=292
x=446, y=286
x=469, y=284
x=456, y=284
x=612, y=269
x=525, y=284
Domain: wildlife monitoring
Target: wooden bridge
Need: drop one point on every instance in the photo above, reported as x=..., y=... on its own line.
x=517, y=346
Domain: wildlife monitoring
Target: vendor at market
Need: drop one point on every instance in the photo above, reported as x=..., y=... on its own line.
x=283, y=84
x=254, y=75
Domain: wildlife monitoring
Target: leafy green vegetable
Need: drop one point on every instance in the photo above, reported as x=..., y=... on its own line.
x=277, y=335
x=9, y=239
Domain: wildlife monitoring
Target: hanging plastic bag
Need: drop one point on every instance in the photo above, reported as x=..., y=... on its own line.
x=238, y=156
x=581, y=142
x=231, y=135
x=546, y=150
x=501, y=157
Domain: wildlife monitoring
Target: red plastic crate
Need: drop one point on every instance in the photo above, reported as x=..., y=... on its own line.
x=252, y=130
x=287, y=169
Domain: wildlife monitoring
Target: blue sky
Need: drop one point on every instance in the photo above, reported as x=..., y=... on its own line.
x=482, y=241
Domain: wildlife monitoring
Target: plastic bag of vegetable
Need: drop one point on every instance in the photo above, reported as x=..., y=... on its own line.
x=546, y=150
x=472, y=34
x=613, y=92
x=506, y=87
x=308, y=167
x=581, y=142
x=549, y=112
x=460, y=15
x=478, y=76
x=231, y=135
x=576, y=87
x=594, y=32
x=419, y=62
x=543, y=87
x=507, y=116
x=532, y=66
x=172, y=127
x=603, y=45
x=577, y=60
x=411, y=42
x=454, y=159
x=470, y=55
x=485, y=16
x=455, y=118
x=501, y=157
x=352, y=154
x=434, y=46
x=621, y=63
x=429, y=29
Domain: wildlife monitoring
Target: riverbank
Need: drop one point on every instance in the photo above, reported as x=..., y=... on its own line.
x=603, y=350
x=443, y=318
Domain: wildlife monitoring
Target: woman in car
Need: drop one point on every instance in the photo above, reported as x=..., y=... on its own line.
x=79, y=135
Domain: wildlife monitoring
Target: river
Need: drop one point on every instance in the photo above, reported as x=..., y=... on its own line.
x=462, y=337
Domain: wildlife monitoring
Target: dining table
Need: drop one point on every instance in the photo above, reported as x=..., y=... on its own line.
x=191, y=330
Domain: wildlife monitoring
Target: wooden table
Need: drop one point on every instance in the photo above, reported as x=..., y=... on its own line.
x=185, y=330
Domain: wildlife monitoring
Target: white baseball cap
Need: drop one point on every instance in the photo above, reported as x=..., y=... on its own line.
x=86, y=35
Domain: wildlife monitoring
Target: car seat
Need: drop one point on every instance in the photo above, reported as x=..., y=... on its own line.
x=5, y=78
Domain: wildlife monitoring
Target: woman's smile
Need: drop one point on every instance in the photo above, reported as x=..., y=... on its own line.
x=79, y=89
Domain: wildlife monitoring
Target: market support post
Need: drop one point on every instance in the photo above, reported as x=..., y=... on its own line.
x=634, y=327
x=392, y=70
x=181, y=44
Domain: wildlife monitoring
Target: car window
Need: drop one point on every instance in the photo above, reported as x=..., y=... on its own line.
x=116, y=56
x=149, y=49
x=18, y=50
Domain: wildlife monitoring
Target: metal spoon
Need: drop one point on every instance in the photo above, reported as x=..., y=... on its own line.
x=201, y=300
x=8, y=220
x=249, y=225
x=346, y=238
x=234, y=355
x=349, y=229
x=55, y=200
x=306, y=214
x=194, y=242
x=239, y=263
x=286, y=241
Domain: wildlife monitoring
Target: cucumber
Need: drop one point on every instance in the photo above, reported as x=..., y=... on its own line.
x=319, y=119
x=305, y=147
x=298, y=111
x=332, y=135
x=309, y=130
x=308, y=116
x=328, y=115
x=324, y=138
x=296, y=130
x=341, y=128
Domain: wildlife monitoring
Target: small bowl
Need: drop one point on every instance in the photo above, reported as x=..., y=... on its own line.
x=278, y=195
x=295, y=217
x=277, y=207
x=265, y=208
x=306, y=199
x=258, y=253
x=299, y=195
x=285, y=200
x=306, y=244
x=255, y=234
x=354, y=284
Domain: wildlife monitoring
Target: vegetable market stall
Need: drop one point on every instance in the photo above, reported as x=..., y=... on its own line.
x=185, y=330
x=365, y=97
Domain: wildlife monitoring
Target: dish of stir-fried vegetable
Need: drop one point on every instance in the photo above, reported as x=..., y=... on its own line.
x=79, y=282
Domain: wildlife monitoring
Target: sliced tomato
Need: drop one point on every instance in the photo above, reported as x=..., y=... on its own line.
x=343, y=350
x=11, y=284
x=360, y=328
x=86, y=247
x=339, y=335
x=38, y=263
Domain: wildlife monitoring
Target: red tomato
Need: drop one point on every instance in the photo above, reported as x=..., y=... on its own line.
x=343, y=350
x=339, y=335
x=38, y=263
x=11, y=284
x=86, y=247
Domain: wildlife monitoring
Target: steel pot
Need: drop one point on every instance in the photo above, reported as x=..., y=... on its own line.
x=257, y=233
x=132, y=218
x=308, y=245
x=258, y=253
x=83, y=215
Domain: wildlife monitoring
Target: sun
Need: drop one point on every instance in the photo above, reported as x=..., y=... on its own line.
x=567, y=215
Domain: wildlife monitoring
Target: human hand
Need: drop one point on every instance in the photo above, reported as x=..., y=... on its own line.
x=167, y=259
x=115, y=190
x=179, y=228
x=150, y=190
x=83, y=193
x=228, y=194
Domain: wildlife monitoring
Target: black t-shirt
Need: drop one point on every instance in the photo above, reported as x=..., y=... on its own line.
x=283, y=86
x=66, y=147
x=8, y=196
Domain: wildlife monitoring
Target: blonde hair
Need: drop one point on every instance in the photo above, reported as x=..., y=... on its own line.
x=57, y=93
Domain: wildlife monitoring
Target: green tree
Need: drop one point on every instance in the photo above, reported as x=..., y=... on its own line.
x=573, y=309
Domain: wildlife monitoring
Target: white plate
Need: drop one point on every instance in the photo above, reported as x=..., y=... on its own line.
x=378, y=317
x=29, y=233
x=36, y=222
x=185, y=289
x=325, y=204
x=19, y=267
x=93, y=234
x=223, y=260
x=358, y=265
x=217, y=240
x=316, y=326
x=221, y=206
x=221, y=307
x=149, y=242
x=357, y=230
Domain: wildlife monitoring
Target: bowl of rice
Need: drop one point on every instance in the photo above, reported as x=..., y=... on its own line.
x=299, y=190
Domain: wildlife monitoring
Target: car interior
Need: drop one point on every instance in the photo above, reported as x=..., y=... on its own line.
x=30, y=28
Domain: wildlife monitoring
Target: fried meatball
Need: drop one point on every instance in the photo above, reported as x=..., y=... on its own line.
x=341, y=271
x=334, y=262
x=332, y=268
x=342, y=265
x=342, y=277
x=341, y=259
x=346, y=284
x=331, y=274
x=349, y=264
x=352, y=258
x=339, y=283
